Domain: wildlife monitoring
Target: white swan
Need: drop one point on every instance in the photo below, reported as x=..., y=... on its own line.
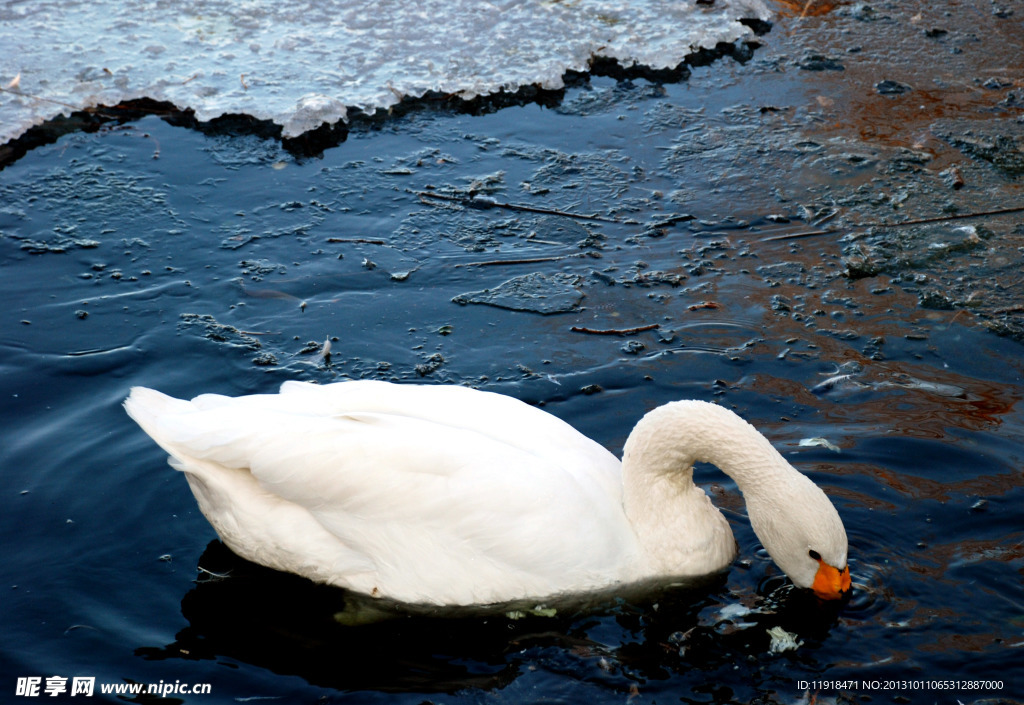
x=448, y=495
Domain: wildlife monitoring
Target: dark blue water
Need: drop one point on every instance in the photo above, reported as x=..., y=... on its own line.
x=147, y=254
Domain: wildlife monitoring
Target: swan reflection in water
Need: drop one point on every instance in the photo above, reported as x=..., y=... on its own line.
x=335, y=638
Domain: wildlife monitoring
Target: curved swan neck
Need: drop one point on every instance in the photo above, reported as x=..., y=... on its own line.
x=666, y=443
x=680, y=531
x=791, y=516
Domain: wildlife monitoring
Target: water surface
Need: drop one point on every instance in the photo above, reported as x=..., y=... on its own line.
x=197, y=262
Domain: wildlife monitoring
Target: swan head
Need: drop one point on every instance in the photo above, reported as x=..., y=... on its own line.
x=802, y=532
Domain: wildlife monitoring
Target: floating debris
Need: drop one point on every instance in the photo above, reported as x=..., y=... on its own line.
x=823, y=442
x=536, y=611
x=820, y=62
x=537, y=293
x=782, y=641
x=833, y=382
x=265, y=360
x=58, y=245
x=259, y=268
x=219, y=332
x=432, y=364
x=615, y=331
x=940, y=388
x=997, y=142
x=888, y=87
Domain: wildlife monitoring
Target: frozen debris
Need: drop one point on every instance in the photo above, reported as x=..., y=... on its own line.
x=823, y=442
x=311, y=111
x=537, y=292
x=843, y=376
x=734, y=613
x=222, y=333
x=889, y=87
x=301, y=65
x=734, y=610
x=997, y=142
x=432, y=365
x=938, y=388
x=782, y=641
x=265, y=360
x=829, y=384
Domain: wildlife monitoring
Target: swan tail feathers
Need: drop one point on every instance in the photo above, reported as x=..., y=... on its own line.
x=160, y=416
x=147, y=406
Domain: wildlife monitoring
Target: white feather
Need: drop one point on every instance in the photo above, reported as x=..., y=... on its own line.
x=447, y=495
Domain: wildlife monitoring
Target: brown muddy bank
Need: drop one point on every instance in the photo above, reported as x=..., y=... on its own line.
x=913, y=124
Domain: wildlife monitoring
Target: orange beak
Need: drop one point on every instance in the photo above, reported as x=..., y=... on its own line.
x=831, y=583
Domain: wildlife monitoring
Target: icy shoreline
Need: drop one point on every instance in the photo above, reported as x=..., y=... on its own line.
x=302, y=65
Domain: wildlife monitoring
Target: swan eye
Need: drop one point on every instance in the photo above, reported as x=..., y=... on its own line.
x=814, y=555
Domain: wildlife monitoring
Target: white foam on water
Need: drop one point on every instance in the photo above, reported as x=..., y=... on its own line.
x=302, y=63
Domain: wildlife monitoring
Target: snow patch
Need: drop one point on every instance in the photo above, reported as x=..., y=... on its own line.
x=300, y=64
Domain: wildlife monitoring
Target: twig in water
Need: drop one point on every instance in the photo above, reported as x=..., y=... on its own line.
x=484, y=203
x=825, y=218
x=614, y=331
x=702, y=304
x=798, y=236
x=917, y=221
x=358, y=240
x=943, y=218
x=671, y=220
x=527, y=260
x=38, y=97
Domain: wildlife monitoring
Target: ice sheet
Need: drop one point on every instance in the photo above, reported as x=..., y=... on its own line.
x=302, y=64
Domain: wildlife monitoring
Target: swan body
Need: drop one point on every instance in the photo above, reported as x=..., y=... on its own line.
x=453, y=496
